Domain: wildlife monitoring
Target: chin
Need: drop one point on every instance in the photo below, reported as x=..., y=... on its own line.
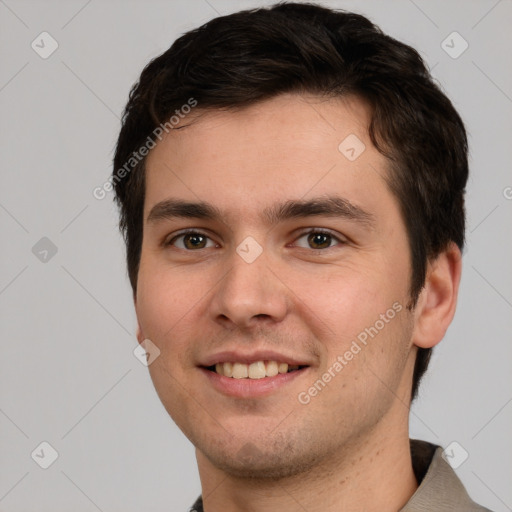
x=266, y=461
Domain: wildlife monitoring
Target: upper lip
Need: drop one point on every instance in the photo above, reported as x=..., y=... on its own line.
x=234, y=356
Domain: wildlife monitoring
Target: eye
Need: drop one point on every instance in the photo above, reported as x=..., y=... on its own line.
x=315, y=239
x=191, y=240
x=318, y=239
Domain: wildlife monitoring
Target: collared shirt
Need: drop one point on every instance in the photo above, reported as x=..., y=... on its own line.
x=440, y=489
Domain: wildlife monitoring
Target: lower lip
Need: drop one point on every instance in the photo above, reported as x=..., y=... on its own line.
x=251, y=388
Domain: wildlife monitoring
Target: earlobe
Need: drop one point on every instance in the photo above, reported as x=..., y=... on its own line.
x=140, y=334
x=438, y=299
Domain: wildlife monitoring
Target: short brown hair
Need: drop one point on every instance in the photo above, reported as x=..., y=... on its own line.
x=254, y=55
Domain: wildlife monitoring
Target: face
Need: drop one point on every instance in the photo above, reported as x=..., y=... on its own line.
x=296, y=254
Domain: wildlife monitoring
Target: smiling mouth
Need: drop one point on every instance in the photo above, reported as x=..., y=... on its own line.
x=256, y=370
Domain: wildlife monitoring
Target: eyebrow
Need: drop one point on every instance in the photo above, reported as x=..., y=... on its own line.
x=330, y=206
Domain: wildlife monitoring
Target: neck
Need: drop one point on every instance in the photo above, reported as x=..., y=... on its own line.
x=375, y=474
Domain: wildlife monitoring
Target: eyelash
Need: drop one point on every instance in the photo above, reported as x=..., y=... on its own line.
x=320, y=231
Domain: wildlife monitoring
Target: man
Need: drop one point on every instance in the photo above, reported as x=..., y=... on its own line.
x=291, y=185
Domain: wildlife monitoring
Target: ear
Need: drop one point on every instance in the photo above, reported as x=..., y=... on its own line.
x=438, y=299
x=139, y=334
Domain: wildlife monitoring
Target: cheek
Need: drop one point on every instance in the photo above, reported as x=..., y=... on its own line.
x=165, y=301
x=346, y=299
x=359, y=315
x=364, y=363
x=164, y=295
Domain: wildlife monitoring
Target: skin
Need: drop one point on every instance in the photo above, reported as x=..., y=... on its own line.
x=348, y=448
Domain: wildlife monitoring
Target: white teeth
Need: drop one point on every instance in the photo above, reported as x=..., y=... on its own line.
x=283, y=367
x=257, y=370
x=240, y=371
x=272, y=369
x=228, y=369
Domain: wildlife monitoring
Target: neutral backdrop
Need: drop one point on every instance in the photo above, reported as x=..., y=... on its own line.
x=68, y=375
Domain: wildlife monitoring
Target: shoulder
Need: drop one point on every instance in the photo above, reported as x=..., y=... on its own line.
x=440, y=488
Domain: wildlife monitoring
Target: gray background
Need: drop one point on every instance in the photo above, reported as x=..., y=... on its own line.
x=68, y=375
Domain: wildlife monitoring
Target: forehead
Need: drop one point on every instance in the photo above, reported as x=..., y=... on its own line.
x=289, y=147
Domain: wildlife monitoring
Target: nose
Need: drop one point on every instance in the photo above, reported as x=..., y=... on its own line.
x=250, y=293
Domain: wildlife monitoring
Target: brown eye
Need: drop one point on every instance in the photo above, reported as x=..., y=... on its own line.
x=194, y=241
x=318, y=239
x=191, y=241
